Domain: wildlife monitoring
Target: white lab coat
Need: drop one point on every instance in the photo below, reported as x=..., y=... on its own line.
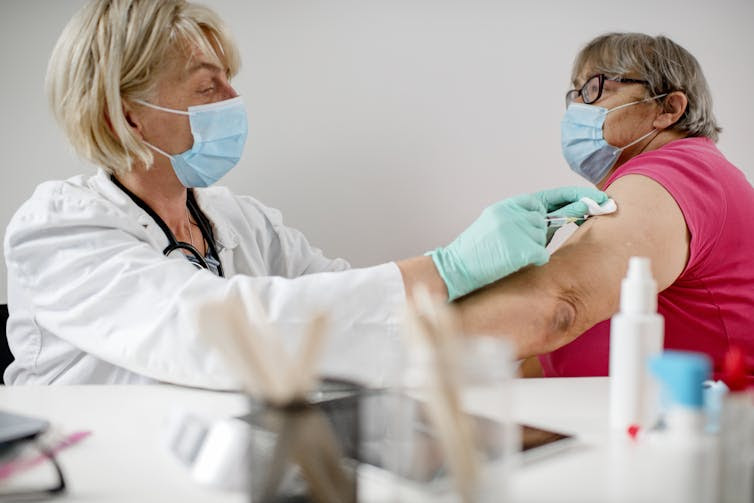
x=92, y=298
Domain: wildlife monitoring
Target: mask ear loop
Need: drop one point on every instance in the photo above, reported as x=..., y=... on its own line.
x=637, y=102
x=650, y=141
x=163, y=109
x=158, y=107
x=621, y=149
x=158, y=150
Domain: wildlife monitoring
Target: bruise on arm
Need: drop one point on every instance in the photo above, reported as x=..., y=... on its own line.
x=543, y=308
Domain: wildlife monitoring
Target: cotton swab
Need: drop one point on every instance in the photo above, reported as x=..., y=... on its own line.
x=593, y=210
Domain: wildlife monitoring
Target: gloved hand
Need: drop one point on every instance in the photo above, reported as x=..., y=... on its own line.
x=508, y=235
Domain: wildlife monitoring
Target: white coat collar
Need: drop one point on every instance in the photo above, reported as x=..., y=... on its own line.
x=226, y=237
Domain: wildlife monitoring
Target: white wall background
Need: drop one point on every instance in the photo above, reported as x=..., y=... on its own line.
x=381, y=128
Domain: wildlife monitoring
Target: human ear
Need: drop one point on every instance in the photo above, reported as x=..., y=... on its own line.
x=132, y=119
x=673, y=106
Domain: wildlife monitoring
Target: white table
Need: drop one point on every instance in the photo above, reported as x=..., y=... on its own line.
x=125, y=458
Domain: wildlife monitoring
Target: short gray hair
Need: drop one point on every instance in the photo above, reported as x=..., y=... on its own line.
x=664, y=64
x=113, y=50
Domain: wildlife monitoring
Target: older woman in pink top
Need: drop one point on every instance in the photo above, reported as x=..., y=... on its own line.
x=639, y=124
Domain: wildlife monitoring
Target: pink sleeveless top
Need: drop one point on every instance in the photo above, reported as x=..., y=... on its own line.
x=711, y=304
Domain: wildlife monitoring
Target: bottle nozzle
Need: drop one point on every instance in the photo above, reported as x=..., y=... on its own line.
x=638, y=290
x=639, y=268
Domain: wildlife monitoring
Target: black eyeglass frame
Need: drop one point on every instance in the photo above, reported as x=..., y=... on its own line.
x=575, y=93
x=43, y=493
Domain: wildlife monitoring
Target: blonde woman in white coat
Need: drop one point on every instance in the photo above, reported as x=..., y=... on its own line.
x=102, y=268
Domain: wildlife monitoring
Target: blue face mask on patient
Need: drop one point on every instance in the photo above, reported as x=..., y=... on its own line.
x=219, y=130
x=582, y=141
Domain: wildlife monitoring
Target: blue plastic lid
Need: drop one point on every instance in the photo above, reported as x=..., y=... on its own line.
x=682, y=374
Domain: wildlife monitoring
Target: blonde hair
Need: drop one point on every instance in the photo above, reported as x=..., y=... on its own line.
x=113, y=50
x=664, y=64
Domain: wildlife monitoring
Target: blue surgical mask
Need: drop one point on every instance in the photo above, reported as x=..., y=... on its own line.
x=219, y=130
x=584, y=146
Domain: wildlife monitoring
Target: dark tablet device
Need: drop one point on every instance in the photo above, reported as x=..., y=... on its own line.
x=372, y=439
x=341, y=401
x=15, y=427
x=533, y=437
x=424, y=462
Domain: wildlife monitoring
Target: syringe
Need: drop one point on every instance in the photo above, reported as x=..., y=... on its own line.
x=561, y=221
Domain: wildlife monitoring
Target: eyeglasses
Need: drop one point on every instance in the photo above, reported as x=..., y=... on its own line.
x=591, y=91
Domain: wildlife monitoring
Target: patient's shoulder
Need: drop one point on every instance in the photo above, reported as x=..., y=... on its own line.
x=648, y=223
x=692, y=170
x=706, y=188
x=647, y=211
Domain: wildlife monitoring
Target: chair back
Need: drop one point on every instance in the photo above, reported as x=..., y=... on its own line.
x=6, y=357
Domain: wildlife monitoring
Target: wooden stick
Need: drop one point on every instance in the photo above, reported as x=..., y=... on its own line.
x=309, y=353
x=439, y=330
x=281, y=455
x=276, y=364
x=251, y=347
x=223, y=319
x=320, y=458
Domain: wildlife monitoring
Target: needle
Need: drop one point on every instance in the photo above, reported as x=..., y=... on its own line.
x=561, y=221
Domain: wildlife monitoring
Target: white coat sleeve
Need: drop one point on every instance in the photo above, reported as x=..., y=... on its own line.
x=286, y=250
x=95, y=284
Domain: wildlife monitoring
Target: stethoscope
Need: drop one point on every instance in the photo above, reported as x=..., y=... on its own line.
x=211, y=262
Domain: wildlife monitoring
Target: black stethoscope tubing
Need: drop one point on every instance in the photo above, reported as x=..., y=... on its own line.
x=173, y=243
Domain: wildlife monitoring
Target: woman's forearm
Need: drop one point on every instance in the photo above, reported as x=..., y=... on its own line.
x=522, y=308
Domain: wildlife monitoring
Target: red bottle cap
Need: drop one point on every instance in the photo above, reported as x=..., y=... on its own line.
x=734, y=375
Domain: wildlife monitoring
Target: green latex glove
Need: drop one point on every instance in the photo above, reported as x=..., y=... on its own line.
x=508, y=235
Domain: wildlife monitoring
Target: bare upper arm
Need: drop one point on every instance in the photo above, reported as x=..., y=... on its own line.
x=584, y=274
x=648, y=223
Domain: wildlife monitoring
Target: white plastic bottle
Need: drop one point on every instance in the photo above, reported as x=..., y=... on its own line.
x=636, y=334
